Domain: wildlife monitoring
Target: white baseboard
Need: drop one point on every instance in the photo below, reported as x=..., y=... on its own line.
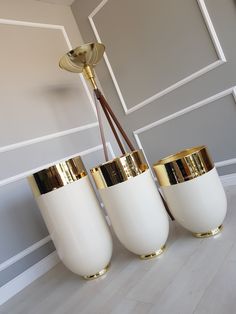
x=228, y=179
x=27, y=277
x=24, y=253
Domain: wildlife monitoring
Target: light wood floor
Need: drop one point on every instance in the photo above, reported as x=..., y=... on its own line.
x=192, y=276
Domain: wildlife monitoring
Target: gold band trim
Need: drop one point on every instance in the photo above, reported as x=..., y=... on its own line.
x=57, y=176
x=154, y=254
x=183, y=166
x=209, y=233
x=119, y=169
x=98, y=274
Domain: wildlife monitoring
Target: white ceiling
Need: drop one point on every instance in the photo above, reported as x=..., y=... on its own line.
x=62, y=2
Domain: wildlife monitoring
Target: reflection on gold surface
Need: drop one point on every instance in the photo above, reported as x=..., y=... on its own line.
x=57, y=176
x=98, y=274
x=209, y=233
x=183, y=166
x=154, y=254
x=119, y=169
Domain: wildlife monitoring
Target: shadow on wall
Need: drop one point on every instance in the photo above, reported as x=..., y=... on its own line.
x=19, y=211
x=63, y=102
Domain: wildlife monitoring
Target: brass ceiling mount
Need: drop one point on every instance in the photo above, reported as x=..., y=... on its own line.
x=83, y=59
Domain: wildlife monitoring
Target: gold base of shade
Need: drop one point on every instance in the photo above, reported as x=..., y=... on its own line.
x=154, y=254
x=98, y=274
x=209, y=233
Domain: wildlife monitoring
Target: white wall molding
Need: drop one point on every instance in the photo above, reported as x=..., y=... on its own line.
x=211, y=29
x=48, y=137
x=229, y=91
x=215, y=41
x=228, y=179
x=24, y=253
x=181, y=112
x=31, y=171
x=224, y=163
x=91, y=101
x=27, y=277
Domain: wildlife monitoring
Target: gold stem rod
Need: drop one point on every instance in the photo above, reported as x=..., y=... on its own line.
x=88, y=73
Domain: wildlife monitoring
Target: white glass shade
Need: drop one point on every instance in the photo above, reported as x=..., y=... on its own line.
x=193, y=190
x=77, y=227
x=133, y=204
x=137, y=214
x=199, y=205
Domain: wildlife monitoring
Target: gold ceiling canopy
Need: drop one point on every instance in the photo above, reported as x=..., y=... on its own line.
x=86, y=55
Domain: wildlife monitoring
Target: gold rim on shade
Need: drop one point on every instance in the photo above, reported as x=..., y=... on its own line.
x=183, y=166
x=85, y=55
x=57, y=176
x=119, y=169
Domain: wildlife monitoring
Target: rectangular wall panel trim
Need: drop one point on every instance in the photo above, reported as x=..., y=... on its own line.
x=215, y=41
x=91, y=101
x=30, y=172
x=47, y=137
x=231, y=90
x=227, y=162
x=228, y=179
x=24, y=253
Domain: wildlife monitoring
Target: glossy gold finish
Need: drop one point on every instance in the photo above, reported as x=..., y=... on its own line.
x=90, y=76
x=99, y=274
x=209, y=233
x=183, y=166
x=154, y=254
x=57, y=176
x=119, y=169
x=83, y=59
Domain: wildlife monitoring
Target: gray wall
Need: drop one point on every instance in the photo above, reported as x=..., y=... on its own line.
x=46, y=115
x=170, y=71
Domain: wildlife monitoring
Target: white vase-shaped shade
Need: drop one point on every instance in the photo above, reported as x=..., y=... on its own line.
x=199, y=205
x=193, y=190
x=77, y=227
x=134, y=206
x=137, y=214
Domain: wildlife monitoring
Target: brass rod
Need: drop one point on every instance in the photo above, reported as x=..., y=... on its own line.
x=101, y=128
x=103, y=101
x=112, y=127
x=88, y=73
x=93, y=83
